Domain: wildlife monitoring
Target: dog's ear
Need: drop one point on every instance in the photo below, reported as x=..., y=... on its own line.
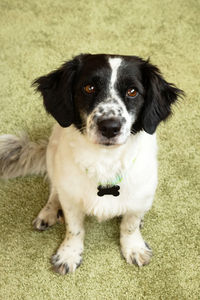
x=57, y=91
x=159, y=95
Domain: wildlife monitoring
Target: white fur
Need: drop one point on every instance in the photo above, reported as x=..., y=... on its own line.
x=114, y=64
x=78, y=173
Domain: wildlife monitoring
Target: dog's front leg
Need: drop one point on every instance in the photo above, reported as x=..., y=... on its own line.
x=69, y=255
x=134, y=249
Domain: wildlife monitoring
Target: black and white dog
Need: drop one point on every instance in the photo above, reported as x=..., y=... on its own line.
x=101, y=156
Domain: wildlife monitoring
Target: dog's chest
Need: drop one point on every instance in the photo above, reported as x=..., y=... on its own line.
x=81, y=169
x=85, y=192
x=103, y=165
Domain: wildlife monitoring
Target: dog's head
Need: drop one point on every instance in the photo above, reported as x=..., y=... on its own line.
x=108, y=97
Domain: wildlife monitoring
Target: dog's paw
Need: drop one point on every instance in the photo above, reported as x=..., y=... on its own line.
x=66, y=260
x=40, y=224
x=47, y=218
x=139, y=256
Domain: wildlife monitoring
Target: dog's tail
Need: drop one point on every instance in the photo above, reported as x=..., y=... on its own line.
x=19, y=156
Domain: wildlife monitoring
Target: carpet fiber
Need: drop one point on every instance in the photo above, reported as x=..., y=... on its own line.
x=36, y=37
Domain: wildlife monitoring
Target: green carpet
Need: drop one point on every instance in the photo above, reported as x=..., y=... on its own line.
x=36, y=37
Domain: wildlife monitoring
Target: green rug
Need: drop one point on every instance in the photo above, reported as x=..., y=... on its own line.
x=36, y=37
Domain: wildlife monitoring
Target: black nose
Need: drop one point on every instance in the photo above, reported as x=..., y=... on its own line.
x=109, y=127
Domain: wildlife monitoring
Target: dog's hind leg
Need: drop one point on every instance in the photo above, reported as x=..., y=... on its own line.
x=50, y=214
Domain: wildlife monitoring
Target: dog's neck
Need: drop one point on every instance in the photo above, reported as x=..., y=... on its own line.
x=102, y=162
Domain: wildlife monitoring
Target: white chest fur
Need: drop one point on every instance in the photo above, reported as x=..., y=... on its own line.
x=79, y=166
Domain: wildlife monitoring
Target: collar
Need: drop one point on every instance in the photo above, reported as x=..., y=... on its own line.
x=118, y=178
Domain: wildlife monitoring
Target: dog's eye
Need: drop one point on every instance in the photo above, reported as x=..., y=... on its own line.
x=90, y=89
x=131, y=92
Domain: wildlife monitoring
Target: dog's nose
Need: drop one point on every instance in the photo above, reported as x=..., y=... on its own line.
x=109, y=127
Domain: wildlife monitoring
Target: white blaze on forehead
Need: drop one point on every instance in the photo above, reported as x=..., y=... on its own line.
x=112, y=106
x=114, y=64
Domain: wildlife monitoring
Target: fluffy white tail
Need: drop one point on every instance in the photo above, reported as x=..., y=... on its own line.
x=19, y=156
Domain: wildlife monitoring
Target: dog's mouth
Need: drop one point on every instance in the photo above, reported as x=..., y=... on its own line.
x=98, y=138
x=108, y=144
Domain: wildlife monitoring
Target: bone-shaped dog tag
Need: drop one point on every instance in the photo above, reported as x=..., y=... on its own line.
x=108, y=190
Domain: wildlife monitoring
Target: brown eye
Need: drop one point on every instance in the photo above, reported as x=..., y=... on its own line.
x=89, y=89
x=131, y=92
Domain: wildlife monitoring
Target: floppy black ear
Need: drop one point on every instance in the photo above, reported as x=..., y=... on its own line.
x=57, y=91
x=159, y=95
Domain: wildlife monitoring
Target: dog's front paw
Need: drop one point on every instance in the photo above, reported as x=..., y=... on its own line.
x=138, y=255
x=66, y=260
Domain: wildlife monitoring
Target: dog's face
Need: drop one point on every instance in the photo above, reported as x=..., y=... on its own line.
x=108, y=97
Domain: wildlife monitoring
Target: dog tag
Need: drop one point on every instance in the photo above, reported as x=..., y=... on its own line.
x=108, y=190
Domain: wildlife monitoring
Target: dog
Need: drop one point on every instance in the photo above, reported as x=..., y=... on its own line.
x=101, y=158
